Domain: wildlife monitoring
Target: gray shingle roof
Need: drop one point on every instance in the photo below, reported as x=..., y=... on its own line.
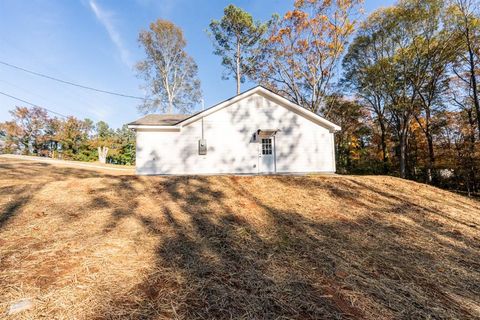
x=160, y=119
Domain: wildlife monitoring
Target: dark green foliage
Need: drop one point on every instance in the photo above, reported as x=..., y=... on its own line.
x=124, y=140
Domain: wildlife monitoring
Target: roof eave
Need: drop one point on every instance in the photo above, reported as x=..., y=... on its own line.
x=307, y=113
x=157, y=127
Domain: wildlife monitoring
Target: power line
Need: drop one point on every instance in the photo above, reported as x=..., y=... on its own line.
x=72, y=83
x=26, y=52
x=32, y=104
x=42, y=97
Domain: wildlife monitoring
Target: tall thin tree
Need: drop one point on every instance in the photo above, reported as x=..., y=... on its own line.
x=170, y=74
x=235, y=37
x=466, y=21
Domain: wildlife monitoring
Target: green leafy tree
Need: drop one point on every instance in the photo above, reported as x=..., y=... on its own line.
x=236, y=37
x=350, y=142
x=74, y=140
x=103, y=140
x=124, y=147
x=170, y=74
x=50, y=139
x=398, y=64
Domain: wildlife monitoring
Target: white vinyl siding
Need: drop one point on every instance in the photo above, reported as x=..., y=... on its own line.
x=300, y=145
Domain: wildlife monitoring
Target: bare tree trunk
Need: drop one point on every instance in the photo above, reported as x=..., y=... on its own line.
x=431, y=160
x=383, y=142
x=102, y=154
x=238, y=67
x=431, y=152
x=464, y=8
x=473, y=76
x=170, y=99
x=403, y=153
x=471, y=155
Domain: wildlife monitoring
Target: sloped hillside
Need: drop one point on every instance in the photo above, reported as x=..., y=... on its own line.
x=84, y=244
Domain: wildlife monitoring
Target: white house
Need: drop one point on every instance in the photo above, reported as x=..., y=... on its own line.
x=256, y=131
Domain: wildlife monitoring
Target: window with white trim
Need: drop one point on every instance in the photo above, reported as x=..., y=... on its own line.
x=267, y=146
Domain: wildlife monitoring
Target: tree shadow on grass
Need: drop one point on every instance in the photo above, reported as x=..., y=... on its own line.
x=22, y=197
x=224, y=266
x=46, y=171
x=22, y=180
x=212, y=262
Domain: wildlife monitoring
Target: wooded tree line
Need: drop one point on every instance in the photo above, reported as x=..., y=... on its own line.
x=410, y=75
x=33, y=132
x=402, y=83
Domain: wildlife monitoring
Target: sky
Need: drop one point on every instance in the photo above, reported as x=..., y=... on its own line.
x=94, y=43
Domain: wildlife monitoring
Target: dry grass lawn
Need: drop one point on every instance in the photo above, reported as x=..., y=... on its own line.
x=86, y=244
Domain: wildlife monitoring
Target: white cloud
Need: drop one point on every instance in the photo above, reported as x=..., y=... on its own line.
x=106, y=19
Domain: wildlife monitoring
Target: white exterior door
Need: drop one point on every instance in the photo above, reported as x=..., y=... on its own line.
x=267, y=155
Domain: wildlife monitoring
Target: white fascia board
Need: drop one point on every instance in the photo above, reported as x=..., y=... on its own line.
x=153, y=127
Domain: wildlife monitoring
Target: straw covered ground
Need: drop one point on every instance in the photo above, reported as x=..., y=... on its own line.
x=86, y=244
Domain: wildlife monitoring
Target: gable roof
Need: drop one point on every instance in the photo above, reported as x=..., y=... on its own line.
x=159, y=119
x=187, y=119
